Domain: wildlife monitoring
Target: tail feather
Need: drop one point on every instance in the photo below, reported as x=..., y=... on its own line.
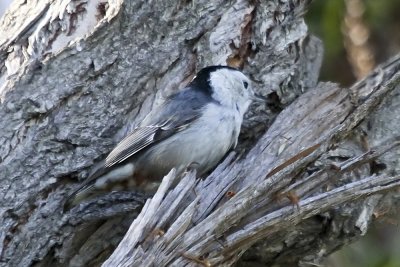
x=86, y=188
x=77, y=196
x=108, y=176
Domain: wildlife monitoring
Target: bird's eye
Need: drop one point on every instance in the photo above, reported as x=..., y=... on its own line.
x=245, y=84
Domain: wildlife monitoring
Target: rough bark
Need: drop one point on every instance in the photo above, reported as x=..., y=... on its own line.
x=315, y=163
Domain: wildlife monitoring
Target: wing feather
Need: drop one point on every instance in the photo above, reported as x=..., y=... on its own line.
x=184, y=108
x=143, y=137
x=138, y=139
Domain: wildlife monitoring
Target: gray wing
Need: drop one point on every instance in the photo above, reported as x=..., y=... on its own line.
x=138, y=139
x=175, y=115
x=145, y=136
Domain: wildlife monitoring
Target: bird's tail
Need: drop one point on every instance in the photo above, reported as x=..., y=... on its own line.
x=78, y=196
x=106, y=176
x=85, y=190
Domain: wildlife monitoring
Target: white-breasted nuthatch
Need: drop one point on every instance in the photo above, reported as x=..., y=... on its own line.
x=193, y=128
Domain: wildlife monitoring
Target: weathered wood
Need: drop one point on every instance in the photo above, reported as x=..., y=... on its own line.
x=76, y=76
x=224, y=233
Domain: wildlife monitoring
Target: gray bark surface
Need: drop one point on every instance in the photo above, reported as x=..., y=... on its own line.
x=315, y=166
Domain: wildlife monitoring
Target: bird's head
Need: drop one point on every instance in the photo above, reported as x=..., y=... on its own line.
x=226, y=85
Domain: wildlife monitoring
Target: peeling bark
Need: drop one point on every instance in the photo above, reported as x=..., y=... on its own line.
x=314, y=164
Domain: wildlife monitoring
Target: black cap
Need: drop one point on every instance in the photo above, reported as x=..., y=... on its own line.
x=201, y=80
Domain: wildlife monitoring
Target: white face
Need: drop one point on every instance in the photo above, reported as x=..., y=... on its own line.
x=231, y=88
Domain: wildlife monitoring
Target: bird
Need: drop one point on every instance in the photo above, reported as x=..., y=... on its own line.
x=193, y=129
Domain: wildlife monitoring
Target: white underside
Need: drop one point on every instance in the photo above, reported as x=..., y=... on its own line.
x=118, y=174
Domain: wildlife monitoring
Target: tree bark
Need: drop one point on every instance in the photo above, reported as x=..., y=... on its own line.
x=316, y=163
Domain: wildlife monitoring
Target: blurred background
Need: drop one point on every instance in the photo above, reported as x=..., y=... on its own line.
x=357, y=35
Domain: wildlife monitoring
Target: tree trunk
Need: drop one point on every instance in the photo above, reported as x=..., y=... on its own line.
x=316, y=163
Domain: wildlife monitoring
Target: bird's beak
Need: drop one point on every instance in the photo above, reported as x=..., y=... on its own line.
x=258, y=98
